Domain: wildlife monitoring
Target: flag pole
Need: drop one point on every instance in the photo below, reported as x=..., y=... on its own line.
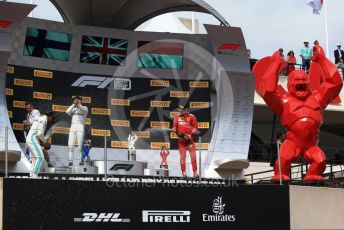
x=326, y=28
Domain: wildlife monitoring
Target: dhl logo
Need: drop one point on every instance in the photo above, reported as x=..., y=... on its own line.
x=158, y=145
x=183, y=94
x=100, y=132
x=42, y=73
x=85, y=100
x=173, y=114
x=19, y=104
x=8, y=92
x=18, y=126
x=160, y=104
x=205, y=146
x=120, y=123
x=142, y=134
x=159, y=83
x=87, y=121
x=60, y=130
x=159, y=124
x=101, y=111
x=139, y=113
x=199, y=84
x=203, y=125
x=119, y=144
x=122, y=102
x=10, y=69
x=23, y=82
x=42, y=95
x=59, y=108
x=199, y=105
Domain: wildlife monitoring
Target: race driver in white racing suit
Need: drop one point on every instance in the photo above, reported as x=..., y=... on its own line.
x=33, y=139
x=78, y=112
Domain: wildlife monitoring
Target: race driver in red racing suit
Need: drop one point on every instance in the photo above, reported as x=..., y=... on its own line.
x=185, y=126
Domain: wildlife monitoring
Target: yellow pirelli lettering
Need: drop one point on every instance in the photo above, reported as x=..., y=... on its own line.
x=42, y=73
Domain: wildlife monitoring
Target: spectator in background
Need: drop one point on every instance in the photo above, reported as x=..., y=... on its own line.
x=291, y=62
x=306, y=53
x=281, y=52
x=339, y=58
x=316, y=42
x=280, y=137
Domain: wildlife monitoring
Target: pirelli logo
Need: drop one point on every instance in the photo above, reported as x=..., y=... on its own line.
x=85, y=100
x=119, y=144
x=205, y=146
x=203, y=125
x=18, y=126
x=164, y=104
x=19, y=104
x=199, y=84
x=49, y=140
x=173, y=135
x=159, y=124
x=173, y=114
x=120, y=123
x=8, y=92
x=139, y=113
x=60, y=130
x=23, y=82
x=184, y=94
x=59, y=108
x=122, y=102
x=10, y=114
x=10, y=69
x=87, y=121
x=101, y=111
x=42, y=95
x=159, y=83
x=158, y=145
x=42, y=73
x=142, y=134
x=100, y=132
x=199, y=105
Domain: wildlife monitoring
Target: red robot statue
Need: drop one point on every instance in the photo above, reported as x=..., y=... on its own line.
x=185, y=126
x=300, y=108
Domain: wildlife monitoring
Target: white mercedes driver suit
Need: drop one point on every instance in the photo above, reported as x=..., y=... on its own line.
x=131, y=141
x=78, y=113
x=35, y=135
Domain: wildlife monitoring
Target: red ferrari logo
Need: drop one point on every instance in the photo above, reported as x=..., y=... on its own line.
x=5, y=24
x=228, y=46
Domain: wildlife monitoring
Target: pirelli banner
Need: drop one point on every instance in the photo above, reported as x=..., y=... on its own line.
x=142, y=206
x=117, y=106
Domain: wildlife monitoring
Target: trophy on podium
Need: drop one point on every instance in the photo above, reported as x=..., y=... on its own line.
x=164, y=154
x=132, y=138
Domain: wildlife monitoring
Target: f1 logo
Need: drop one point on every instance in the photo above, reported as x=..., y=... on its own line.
x=125, y=167
x=100, y=82
x=228, y=47
x=5, y=24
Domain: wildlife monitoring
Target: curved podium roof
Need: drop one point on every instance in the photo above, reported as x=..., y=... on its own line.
x=126, y=14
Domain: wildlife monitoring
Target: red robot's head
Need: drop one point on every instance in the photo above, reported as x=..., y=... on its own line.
x=298, y=84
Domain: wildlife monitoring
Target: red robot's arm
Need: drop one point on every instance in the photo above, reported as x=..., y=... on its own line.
x=194, y=125
x=267, y=73
x=332, y=84
x=161, y=151
x=175, y=124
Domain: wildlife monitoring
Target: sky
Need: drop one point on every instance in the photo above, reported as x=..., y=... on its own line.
x=267, y=24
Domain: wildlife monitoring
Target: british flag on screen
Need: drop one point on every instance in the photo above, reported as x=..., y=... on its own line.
x=104, y=51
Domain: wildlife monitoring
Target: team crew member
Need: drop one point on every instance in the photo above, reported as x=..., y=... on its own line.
x=78, y=112
x=185, y=126
x=31, y=116
x=33, y=139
